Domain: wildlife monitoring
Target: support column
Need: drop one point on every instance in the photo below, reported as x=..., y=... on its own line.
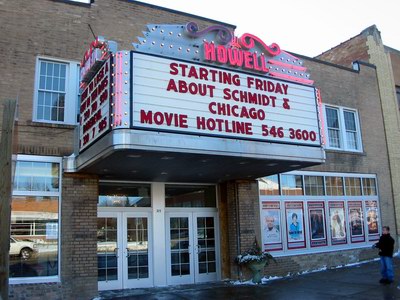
x=159, y=247
x=243, y=219
x=79, y=236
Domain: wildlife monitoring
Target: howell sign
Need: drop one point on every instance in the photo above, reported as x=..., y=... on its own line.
x=185, y=81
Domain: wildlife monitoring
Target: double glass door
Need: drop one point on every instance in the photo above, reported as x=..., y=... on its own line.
x=191, y=247
x=124, y=250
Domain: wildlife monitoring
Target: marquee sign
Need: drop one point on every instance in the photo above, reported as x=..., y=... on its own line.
x=95, y=107
x=207, y=82
x=217, y=45
x=171, y=95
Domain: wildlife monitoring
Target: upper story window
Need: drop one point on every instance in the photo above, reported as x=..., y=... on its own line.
x=343, y=129
x=56, y=91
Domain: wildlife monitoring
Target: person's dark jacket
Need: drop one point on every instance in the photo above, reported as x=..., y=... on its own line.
x=385, y=245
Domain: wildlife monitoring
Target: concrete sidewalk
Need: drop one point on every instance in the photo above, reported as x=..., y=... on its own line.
x=357, y=282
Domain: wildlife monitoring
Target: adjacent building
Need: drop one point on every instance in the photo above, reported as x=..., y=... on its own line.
x=154, y=146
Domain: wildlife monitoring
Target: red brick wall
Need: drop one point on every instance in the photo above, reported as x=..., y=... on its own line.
x=60, y=30
x=347, y=52
x=78, y=245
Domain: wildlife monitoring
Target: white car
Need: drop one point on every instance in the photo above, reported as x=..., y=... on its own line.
x=24, y=249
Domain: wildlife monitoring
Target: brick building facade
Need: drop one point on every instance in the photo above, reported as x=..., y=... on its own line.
x=368, y=47
x=353, y=169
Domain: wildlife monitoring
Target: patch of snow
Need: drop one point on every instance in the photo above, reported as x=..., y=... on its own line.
x=356, y=263
x=270, y=278
x=323, y=268
x=97, y=298
x=238, y=282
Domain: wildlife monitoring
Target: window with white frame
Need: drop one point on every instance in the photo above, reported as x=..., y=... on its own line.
x=34, y=234
x=343, y=129
x=56, y=91
x=345, y=217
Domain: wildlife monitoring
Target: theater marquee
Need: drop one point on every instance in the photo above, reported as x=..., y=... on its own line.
x=177, y=96
x=204, y=83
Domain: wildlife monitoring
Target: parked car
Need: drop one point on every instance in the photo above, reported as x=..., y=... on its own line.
x=24, y=249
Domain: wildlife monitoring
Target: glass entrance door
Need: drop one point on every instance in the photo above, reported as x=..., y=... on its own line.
x=123, y=250
x=191, y=247
x=205, y=247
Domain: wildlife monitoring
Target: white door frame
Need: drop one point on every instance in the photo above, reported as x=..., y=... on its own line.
x=122, y=254
x=143, y=282
x=206, y=277
x=113, y=284
x=194, y=276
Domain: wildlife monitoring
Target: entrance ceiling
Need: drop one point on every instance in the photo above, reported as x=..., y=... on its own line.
x=153, y=156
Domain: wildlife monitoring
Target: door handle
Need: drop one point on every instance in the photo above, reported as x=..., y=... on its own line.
x=127, y=252
x=198, y=249
x=116, y=252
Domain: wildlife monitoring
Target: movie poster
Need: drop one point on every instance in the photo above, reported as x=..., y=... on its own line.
x=295, y=225
x=337, y=222
x=372, y=220
x=271, y=225
x=356, y=221
x=316, y=213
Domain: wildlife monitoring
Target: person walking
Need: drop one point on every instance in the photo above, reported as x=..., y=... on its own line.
x=386, y=246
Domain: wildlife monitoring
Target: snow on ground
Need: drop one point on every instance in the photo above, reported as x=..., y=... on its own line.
x=323, y=268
